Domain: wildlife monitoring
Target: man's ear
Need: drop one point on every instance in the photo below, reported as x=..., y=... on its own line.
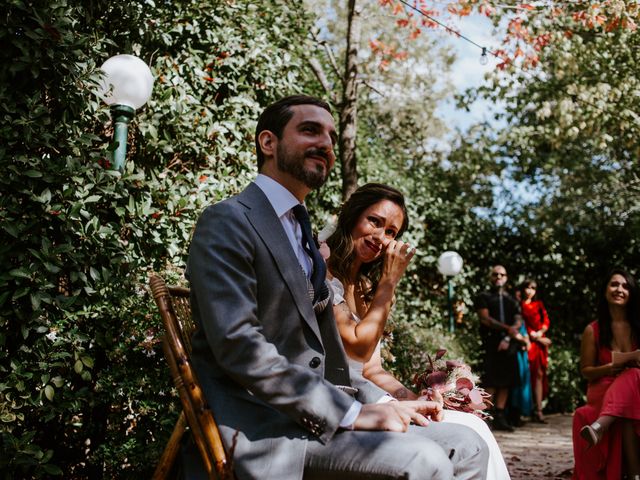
x=268, y=142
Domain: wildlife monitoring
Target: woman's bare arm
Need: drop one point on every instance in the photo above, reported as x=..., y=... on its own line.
x=360, y=338
x=374, y=372
x=589, y=358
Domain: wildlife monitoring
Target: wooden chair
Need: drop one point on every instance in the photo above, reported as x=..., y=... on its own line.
x=175, y=310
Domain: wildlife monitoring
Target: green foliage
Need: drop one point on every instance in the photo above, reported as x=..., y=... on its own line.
x=84, y=390
x=566, y=386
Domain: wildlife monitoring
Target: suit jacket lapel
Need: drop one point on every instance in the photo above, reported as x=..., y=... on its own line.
x=267, y=224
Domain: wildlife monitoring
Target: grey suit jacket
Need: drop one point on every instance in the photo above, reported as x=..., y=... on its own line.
x=259, y=352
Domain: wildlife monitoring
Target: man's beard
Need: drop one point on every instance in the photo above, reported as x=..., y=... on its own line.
x=294, y=165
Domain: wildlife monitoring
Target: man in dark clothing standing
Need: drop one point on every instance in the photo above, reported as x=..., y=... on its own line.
x=500, y=320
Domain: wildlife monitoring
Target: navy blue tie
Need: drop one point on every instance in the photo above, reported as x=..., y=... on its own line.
x=308, y=243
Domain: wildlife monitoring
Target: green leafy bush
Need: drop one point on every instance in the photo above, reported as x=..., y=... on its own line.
x=84, y=390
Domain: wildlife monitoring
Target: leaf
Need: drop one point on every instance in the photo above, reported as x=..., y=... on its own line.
x=51, y=469
x=11, y=230
x=78, y=366
x=21, y=272
x=45, y=196
x=51, y=267
x=93, y=273
x=153, y=131
x=4, y=296
x=49, y=392
x=88, y=361
x=35, y=301
x=8, y=417
x=464, y=383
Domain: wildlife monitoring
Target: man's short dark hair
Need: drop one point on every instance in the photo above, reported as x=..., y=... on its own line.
x=276, y=116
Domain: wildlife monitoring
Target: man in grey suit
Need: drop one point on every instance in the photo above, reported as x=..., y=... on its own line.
x=267, y=351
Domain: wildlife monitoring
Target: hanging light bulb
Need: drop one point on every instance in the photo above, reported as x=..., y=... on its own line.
x=484, y=59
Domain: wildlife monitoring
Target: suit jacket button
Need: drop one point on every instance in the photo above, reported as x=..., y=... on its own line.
x=315, y=362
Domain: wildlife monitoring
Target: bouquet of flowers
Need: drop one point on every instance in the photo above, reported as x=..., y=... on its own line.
x=454, y=381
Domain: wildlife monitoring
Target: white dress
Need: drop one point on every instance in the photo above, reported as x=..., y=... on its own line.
x=497, y=469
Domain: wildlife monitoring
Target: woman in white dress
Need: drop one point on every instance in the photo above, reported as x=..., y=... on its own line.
x=366, y=262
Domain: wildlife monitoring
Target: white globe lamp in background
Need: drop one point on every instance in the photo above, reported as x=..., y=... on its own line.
x=450, y=264
x=126, y=86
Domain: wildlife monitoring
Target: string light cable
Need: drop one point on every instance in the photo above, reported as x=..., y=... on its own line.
x=485, y=50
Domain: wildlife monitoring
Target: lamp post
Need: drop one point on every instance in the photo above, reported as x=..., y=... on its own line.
x=125, y=86
x=449, y=265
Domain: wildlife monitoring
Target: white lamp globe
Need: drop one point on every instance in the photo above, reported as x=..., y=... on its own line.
x=127, y=81
x=450, y=263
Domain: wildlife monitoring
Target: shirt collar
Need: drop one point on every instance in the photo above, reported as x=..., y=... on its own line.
x=281, y=199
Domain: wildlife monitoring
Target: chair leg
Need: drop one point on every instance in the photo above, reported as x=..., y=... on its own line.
x=168, y=458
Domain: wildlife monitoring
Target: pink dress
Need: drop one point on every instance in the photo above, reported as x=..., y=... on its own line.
x=616, y=396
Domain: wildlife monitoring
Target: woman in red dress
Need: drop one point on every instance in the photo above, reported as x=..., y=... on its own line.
x=537, y=322
x=607, y=428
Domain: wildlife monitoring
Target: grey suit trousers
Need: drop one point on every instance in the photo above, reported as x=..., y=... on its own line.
x=439, y=452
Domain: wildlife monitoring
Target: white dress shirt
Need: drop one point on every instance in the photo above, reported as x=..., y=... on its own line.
x=282, y=201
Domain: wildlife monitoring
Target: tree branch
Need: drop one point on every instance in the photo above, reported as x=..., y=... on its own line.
x=322, y=78
x=372, y=88
x=332, y=59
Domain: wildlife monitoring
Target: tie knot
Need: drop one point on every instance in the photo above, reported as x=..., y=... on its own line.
x=301, y=214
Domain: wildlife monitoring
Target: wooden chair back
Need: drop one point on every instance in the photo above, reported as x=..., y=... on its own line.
x=175, y=310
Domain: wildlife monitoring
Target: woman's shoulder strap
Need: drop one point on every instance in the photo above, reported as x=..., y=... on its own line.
x=338, y=290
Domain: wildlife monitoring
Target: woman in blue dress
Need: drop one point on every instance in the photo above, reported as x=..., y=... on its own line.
x=521, y=398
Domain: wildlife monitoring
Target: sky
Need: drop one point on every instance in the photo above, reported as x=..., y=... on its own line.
x=468, y=72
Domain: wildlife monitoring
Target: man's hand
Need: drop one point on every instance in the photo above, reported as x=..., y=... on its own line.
x=503, y=345
x=393, y=416
x=513, y=332
x=431, y=408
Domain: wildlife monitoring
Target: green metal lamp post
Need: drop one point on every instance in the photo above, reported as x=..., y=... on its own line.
x=126, y=86
x=449, y=265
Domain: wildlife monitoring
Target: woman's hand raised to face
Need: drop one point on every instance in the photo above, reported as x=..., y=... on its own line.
x=397, y=256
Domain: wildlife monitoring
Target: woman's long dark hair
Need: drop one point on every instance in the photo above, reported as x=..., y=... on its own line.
x=525, y=284
x=341, y=243
x=632, y=309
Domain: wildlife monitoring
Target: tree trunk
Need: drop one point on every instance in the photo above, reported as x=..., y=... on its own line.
x=348, y=110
